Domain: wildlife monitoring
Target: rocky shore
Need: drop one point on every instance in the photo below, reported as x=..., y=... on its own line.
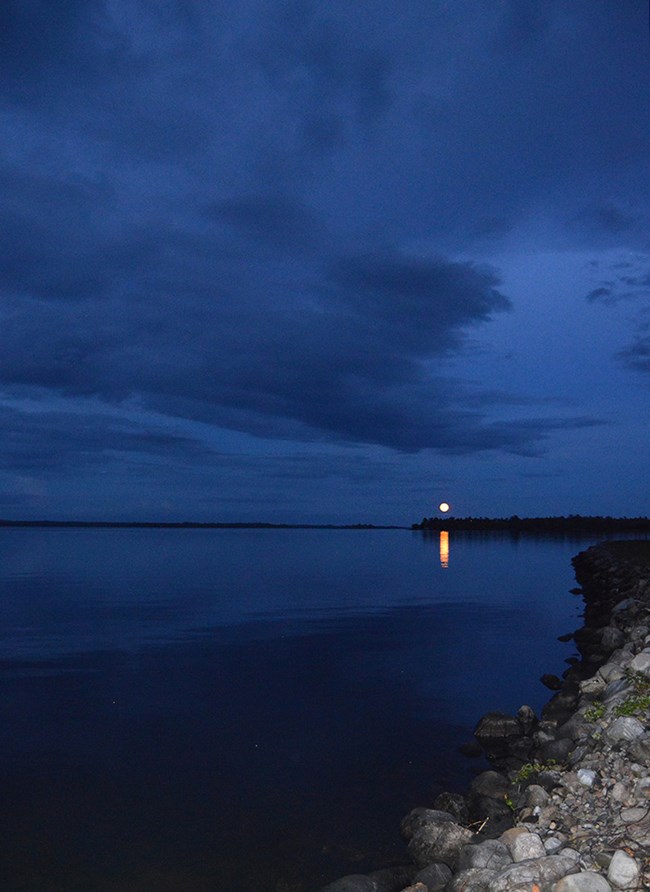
x=566, y=804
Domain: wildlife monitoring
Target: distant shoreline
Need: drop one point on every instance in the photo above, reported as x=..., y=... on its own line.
x=194, y=525
x=573, y=523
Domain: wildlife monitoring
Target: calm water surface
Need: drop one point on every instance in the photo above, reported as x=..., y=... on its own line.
x=252, y=709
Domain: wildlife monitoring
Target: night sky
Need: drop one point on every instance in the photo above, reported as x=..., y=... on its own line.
x=324, y=261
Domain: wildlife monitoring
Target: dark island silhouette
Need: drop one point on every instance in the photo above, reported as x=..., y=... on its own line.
x=572, y=523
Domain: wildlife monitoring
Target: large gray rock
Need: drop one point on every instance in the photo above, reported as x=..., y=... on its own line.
x=585, y=881
x=623, y=871
x=556, y=750
x=622, y=657
x=475, y=879
x=491, y=784
x=543, y=871
x=546, y=730
x=527, y=719
x=611, y=672
x=562, y=706
x=453, y=803
x=549, y=779
x=535, y=795
x=492, y=854
x=642, y=787
x=496, y=731
x=487, y=800
x=616, y=690
x=640, y=749
x=633, y=815
x=624, y=728
x=612, y=638
x=438, y=842
x=575, y=728
x=626, y=604
x=493, y=815
x=553, y=844
x=641, y=663
x=435, y=877
x=592, y=687
x=526, y=846
x=497, y=724
x=418, y=817
x=640, y=833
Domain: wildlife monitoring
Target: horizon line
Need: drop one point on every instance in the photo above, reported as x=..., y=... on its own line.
x=512, y=520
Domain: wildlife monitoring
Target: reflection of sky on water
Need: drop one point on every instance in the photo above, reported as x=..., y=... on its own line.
x=303, y=680
x=89, y=591
x=74, y=590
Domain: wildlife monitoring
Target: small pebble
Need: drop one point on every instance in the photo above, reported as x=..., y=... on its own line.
x=586, y=776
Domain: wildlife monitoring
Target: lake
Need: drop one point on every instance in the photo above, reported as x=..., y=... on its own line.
x=253, y=709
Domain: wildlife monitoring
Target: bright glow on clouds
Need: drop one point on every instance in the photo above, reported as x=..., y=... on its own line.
x=263, y=261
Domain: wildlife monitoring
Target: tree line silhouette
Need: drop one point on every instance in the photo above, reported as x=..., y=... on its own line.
x=569, y=524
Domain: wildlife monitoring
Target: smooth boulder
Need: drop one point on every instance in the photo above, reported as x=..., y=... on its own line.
x=439, y=842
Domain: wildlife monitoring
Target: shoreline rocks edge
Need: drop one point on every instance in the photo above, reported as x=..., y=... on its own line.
x=565, y=805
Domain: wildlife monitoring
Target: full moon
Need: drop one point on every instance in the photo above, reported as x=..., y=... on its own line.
x=444, y=507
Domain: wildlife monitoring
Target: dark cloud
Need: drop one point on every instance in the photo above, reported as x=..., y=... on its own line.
x=345, y=362
x=438, y=142
x=132, y=467
x=641, y=282
x=38, y=39
x=627, y=279
x=610, y=225
x=56, y=442
x=331, y=73
x=603, y=293
x=53, y=246
x=426, y=302
x=613, y=219
x=637, y=355
x=272, y=219
x=557, y=118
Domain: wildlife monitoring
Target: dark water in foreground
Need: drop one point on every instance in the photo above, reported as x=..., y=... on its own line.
x=251, y=709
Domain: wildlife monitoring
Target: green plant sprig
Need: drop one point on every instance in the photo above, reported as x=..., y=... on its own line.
x=634, y=705
x=530, y=769
x=595, y=711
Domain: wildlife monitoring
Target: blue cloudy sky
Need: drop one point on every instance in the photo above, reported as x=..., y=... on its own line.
x=324, y=261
